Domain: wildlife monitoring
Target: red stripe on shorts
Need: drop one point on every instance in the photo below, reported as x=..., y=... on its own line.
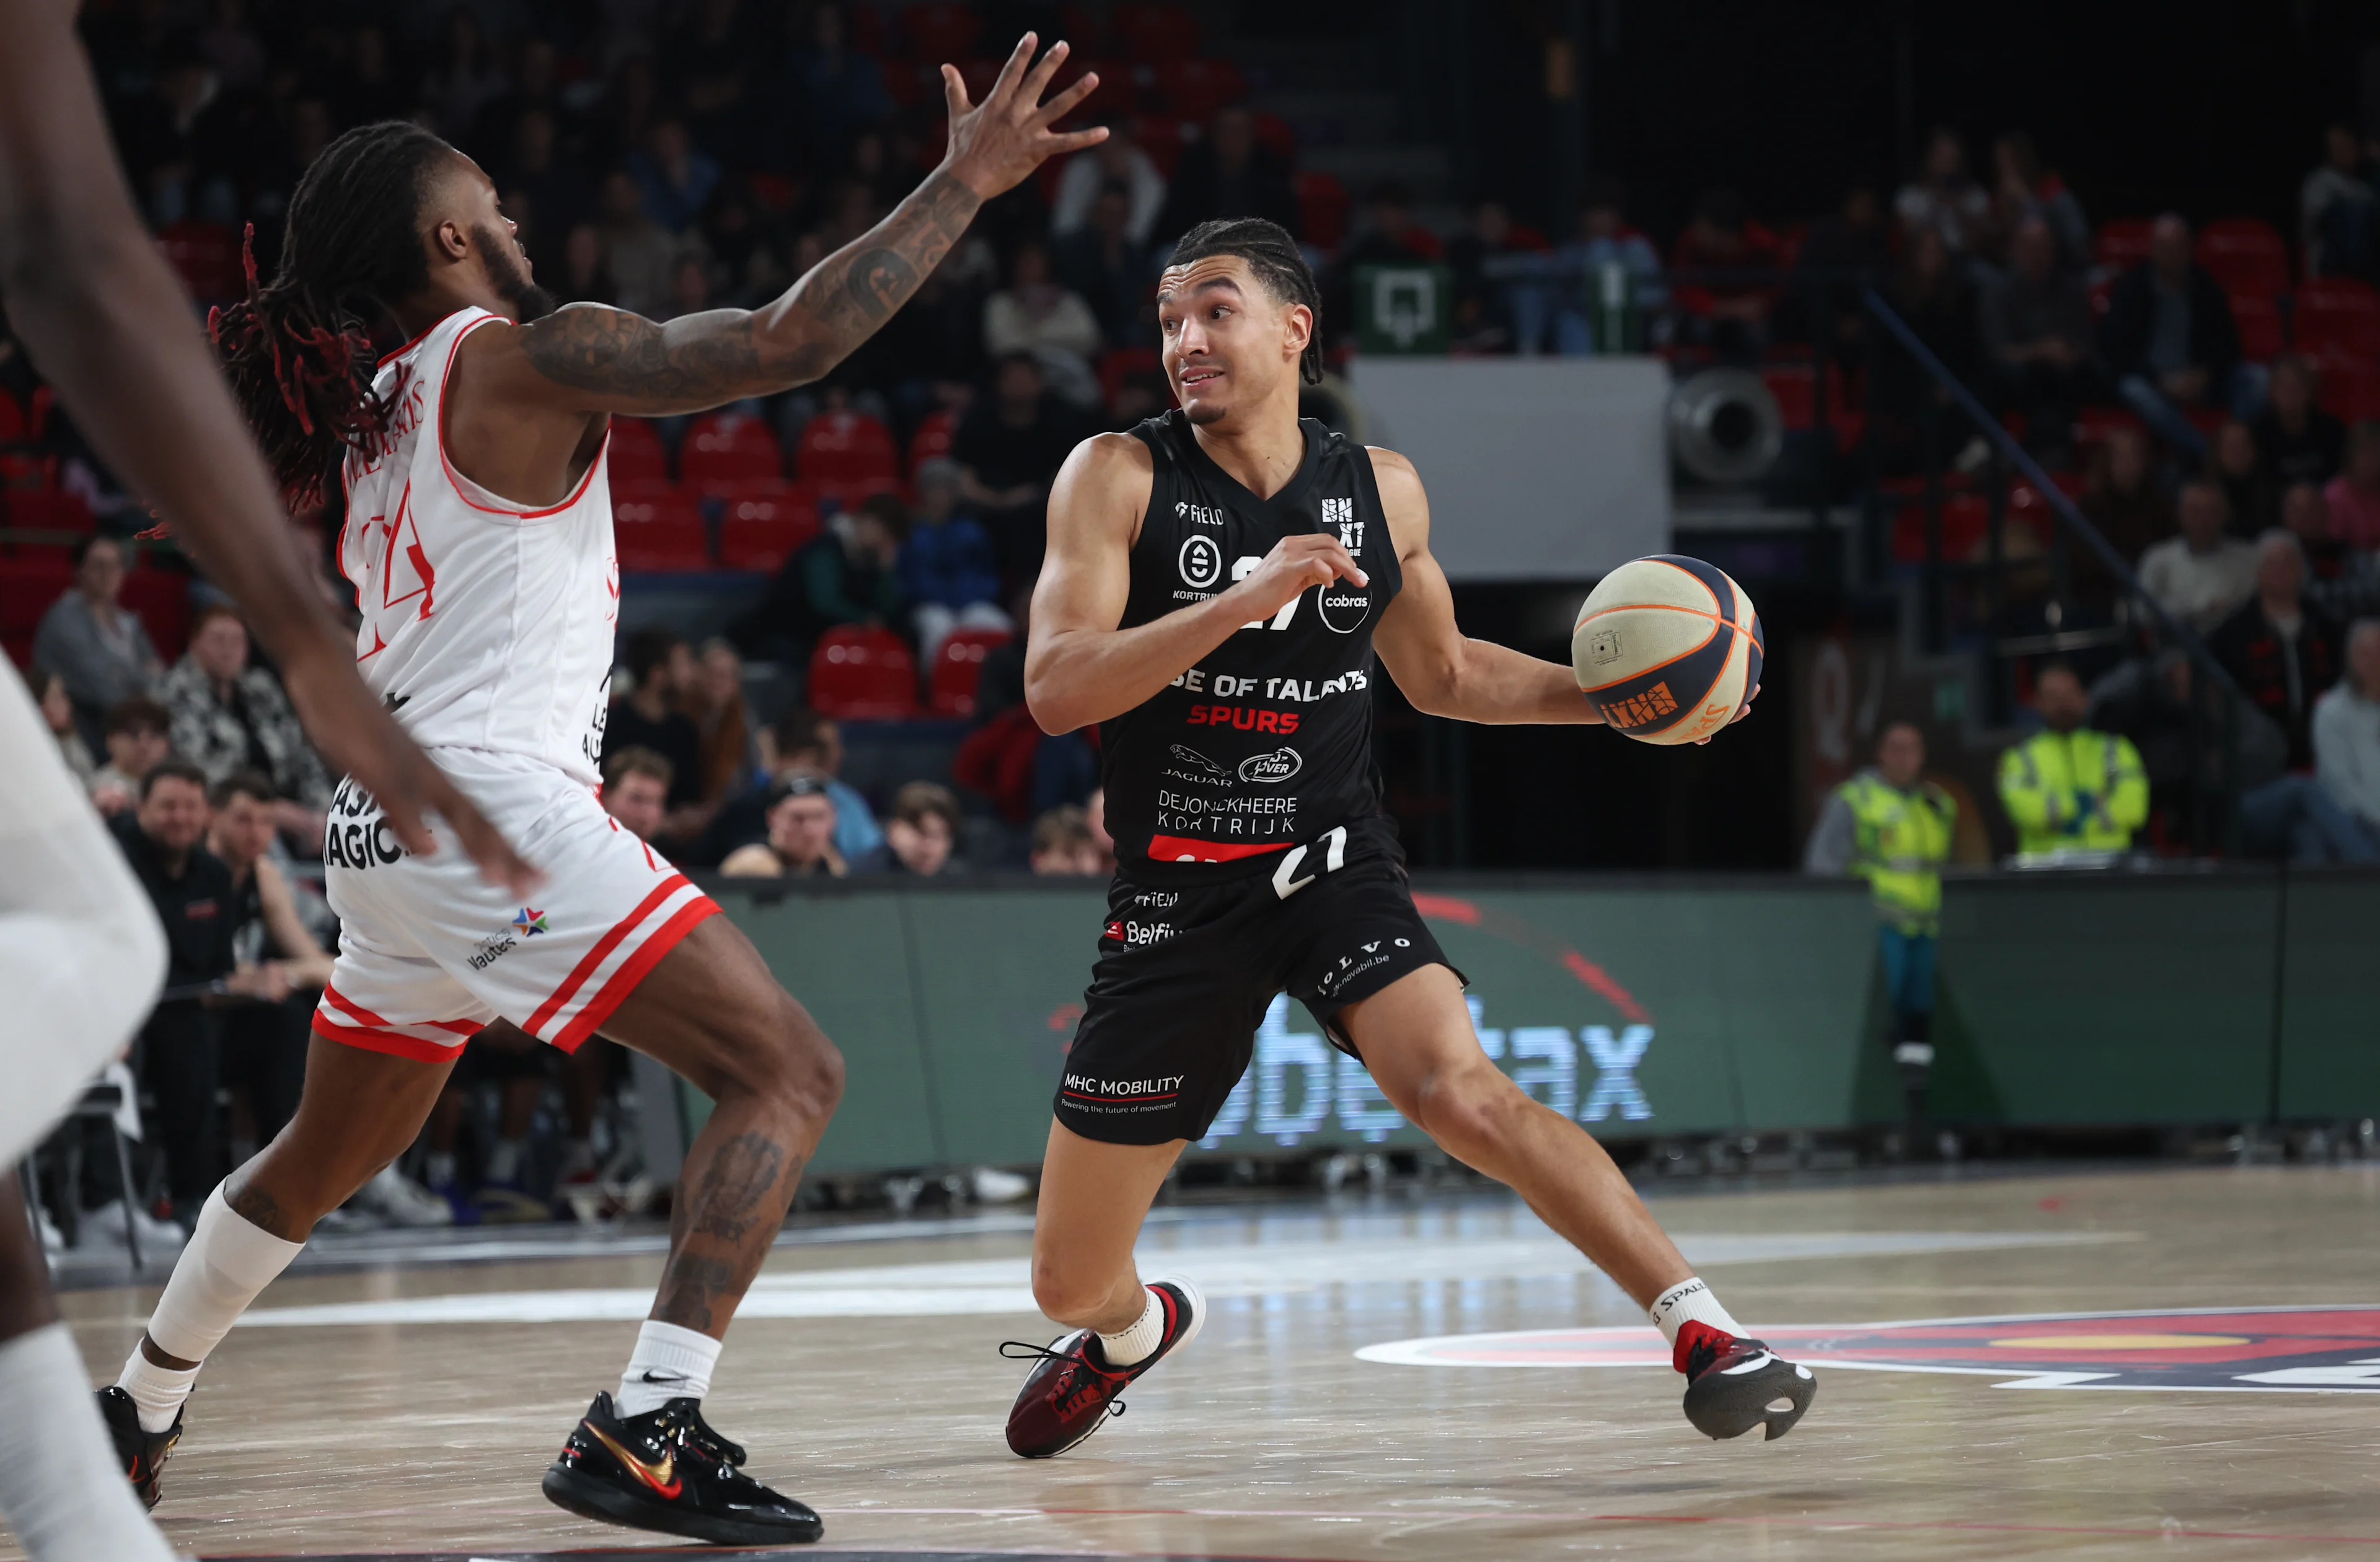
x=339, y=1001
x=603, y=947
x=395, y=1043
x=632, y=971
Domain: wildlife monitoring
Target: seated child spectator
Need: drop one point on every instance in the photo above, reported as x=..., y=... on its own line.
x=635, y=791
x=1062, y=844
x=137, y=742
x=922, y=832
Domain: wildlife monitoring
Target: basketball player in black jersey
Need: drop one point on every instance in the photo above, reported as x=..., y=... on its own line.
x=1218, y=581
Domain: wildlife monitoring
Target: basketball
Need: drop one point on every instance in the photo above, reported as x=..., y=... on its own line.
x=1667, y=647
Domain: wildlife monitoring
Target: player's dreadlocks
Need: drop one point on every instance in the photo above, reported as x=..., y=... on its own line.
x=1275, y=259
x=299, y=359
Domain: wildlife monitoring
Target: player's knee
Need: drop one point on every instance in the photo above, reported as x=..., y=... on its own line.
x=1468, y=1109
x=788, y=1058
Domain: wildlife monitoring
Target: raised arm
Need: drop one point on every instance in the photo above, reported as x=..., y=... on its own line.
x=1079, y=667
x=1441, y=669
x=590, y=359
x=108, y=325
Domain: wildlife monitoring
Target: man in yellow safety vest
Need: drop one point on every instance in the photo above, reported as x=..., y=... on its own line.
x=2068, y=789
x=1893, y=829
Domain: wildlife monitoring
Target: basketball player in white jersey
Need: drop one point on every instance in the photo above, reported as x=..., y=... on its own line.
x=479, y=539
x=81, y=950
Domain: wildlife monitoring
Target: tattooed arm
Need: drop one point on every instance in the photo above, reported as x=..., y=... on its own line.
x=589, y=359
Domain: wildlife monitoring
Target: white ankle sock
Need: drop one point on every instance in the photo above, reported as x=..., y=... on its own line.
x=227, y=1262
x=669, y=1362
x=61, y=1489
x=1690, y=1298
x=1129, y=1348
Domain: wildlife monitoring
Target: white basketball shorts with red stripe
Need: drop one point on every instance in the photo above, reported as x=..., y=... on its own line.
x=429, y=951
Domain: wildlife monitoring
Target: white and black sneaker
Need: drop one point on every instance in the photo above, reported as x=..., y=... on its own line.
x=1735, y=1385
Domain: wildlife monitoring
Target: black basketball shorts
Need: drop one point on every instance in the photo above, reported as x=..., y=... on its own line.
x=1184, y=976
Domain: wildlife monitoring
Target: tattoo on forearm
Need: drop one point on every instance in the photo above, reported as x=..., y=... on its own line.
x=719, y=357
x=734, y=1194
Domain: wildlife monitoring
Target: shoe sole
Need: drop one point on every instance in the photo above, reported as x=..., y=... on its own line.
x=591, y=1498
x=1724, y=1405
x=1198, y=1300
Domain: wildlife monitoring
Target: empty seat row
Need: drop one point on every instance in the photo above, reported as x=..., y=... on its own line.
x=863, y=674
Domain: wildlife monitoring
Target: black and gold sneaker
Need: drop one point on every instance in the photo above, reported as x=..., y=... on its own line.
x=667, y=1471
x=141, y=1455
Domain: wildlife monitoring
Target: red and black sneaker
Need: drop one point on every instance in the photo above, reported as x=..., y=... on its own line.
x=1073, y=1390
x=140, y=1454
x=1735, y=1385
x=668, y=1470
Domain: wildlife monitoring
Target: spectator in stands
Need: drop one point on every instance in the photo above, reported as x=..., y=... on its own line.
x=1483, y=302
x=846, y=575
x=1930, y=296
x=2147, y=700
x=714, y=701
x=1037, y=314
x=264, y=1044
x=2171, y=341
x=2354, y=494
x=586, y=267
x=91, y=639
x=1582, y=266
x=2237, y=464
x=1387, y=236
x=1944, y=199
x=2201, y=575
x=2279, y=648
x=1111, y=271
x=2036, y=331
x=1009, y=446
x=1727, y=307
x=2301, y=443
x=640, y=255
x=1844, y=251
x=801, y=836
x=2067, y=788
x=137, y=742
x=231, y=716
x=800, y=743
x=2343, y=582
x=58, y=714
x=1062, y=844
x=2125, y=497
x=1892, y=827
x=836, y=91
x=556, y=186
x=465, y=77
x=2024, y=189
x=921, y=832
x=948, y=572
x=2339, y=211
x=660, y=668
x=1227, y=172
x=636, y=790
x=675, y=176
x=2347, y=734
x=1118, y=162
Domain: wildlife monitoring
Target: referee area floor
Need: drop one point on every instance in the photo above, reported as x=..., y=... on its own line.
x=2077, y=1365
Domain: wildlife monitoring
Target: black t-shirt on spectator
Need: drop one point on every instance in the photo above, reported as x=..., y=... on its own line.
x=2283, y=674
x=199, y=906
x=2309, y=456
x=673, y=737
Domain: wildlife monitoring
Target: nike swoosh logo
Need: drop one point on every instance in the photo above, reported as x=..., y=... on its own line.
x=661, y=1477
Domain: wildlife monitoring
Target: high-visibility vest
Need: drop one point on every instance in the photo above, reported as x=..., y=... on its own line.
x=1902, y=839
x=2081, y=790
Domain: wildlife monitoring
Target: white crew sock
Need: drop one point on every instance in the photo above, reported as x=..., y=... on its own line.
x=61, y=1489
x=1690, y=1298
x=669, y=1362
x=1129, y=1348
x=227, y=1262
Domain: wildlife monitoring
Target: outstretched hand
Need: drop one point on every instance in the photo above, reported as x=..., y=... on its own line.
x=995, y=144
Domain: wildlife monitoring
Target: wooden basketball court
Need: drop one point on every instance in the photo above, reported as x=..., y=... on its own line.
x=396, y=1397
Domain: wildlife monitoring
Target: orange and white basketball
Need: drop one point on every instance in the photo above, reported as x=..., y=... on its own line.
x=1667, y=647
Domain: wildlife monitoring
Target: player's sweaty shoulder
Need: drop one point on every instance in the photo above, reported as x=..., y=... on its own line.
x=1103, y=491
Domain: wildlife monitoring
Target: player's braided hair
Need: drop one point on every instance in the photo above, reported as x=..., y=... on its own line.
x=299, y=358
x=1277, y=261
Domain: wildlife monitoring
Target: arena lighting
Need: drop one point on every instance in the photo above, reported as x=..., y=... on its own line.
x=1725, y=427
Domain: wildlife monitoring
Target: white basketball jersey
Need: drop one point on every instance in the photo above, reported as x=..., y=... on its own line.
x=486, y=624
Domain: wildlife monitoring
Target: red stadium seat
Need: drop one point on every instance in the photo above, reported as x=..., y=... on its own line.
x=2123, y=242
x=1966, y=522
x=12, y=421
x=940, y=32
x=1274, y=131
x=1795, y=386
x=162, y=597
x=28, y=587
x=760, y=528
x=635, y=453
x=37, y=413
x=726, y=450
x=1322, y=207
x=661, y=530
x=862, y=675
x=846, y=451
x=206, y=255
x=2338, y=317
x=47, y=510
x=931, y=437
x=959, y=665
x=2259, y=319
x=1194, y=89
x=2246, y=255
x=2093, y=424
x=1160, y=136
x=1120, y=364
x=23, y=474
x=1149, y=34
x=2350, y=388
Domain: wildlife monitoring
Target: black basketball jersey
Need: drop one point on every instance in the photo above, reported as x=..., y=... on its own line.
x=1267, y=741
